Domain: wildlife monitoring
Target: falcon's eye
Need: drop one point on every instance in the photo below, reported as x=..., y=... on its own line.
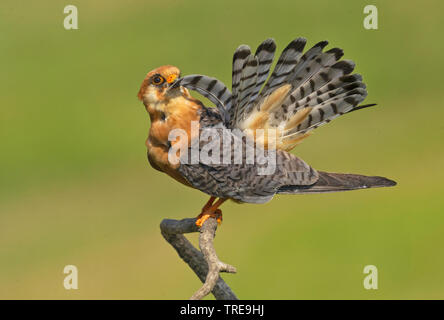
x=158, y=80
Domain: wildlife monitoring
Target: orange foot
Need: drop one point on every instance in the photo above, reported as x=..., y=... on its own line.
x=204, y=216
x=210, y=210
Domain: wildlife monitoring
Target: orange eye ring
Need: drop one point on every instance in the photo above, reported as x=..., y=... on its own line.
x=158, y=80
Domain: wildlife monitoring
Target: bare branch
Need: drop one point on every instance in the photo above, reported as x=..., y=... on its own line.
x=173, y=230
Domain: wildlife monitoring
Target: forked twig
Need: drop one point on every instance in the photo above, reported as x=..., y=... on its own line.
x=205, y=263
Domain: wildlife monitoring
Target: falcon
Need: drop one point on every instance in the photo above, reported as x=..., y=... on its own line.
x=303, y=92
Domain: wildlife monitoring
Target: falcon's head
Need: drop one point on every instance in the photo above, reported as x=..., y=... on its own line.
x=155, y=86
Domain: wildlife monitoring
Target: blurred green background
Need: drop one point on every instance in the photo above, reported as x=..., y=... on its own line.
x=75, y=186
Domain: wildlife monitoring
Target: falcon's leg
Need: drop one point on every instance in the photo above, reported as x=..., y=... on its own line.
x=208, y=204
x=210, y=211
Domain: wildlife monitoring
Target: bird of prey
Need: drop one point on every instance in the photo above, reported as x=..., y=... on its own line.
x=303, y=92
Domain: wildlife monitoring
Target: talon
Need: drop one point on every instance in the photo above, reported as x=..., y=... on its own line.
x=201, y=219
x=210, y=210
x=217, y=214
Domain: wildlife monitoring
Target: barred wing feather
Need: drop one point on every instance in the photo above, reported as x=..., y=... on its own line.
x=303, y=92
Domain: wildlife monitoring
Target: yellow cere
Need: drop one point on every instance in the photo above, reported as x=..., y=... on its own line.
x=171, y=78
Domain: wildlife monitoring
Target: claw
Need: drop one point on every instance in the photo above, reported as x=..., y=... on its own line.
x=204, y=216
x=210, y=210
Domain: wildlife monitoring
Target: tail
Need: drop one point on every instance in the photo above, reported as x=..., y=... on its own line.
x=334, y=182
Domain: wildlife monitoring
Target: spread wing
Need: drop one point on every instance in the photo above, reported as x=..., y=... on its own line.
x=211, y=88
x=304, y=91
x=248, y=76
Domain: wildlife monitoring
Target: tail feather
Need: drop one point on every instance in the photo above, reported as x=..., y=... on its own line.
x=334, y=182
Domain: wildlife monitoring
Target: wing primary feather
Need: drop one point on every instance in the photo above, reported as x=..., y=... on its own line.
x=240, y=56
x=246, y=86
x=265, y=54
x=363, y=107
x=211, y=88
x=303, y=92
x=306, y=59
x=286, y=63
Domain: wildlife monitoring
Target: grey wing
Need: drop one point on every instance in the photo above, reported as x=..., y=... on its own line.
x=248, y=76
x=240, y=179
